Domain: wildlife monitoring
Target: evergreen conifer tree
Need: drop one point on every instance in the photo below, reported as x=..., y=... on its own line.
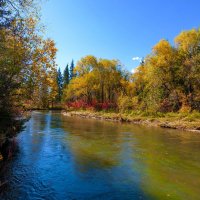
x=60, y=84
x=72, y=75
x=66, y=75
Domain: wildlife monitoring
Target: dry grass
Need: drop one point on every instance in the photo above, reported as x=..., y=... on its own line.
x=184, y=121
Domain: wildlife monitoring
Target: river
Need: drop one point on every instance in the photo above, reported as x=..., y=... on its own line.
x=68, y=158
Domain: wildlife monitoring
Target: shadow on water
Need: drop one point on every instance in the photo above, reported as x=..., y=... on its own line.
x=71, y=158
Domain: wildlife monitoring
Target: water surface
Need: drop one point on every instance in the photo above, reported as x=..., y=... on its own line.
x=61, y=158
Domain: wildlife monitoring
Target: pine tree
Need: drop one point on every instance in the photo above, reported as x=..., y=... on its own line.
x=60, y=84
x=72, y=75
x=66, y=75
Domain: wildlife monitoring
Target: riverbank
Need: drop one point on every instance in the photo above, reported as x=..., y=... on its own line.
x=9, y=132
x=188, y=122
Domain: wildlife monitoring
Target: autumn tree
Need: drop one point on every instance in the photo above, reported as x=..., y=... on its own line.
x=10, y=10
x=96, y=80
x=27, y=63
x=13, y=56
x=167, y=80
x=188, y=46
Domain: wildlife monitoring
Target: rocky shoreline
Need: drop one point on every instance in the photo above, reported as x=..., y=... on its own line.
x=117, y=117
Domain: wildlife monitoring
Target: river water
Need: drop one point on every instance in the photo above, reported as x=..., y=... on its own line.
x=65, y=158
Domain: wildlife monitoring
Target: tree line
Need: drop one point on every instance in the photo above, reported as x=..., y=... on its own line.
x=167, y=80
x=64, y=78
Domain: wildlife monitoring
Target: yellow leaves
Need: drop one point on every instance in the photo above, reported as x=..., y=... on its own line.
x=85, y=65
x=77, y=87
x=139, y=74
x=162, y=52
x=162, y=47
x=89, y=60
x=163, y=57
x=43, y=59
x=188, y=40
x=95, y=77
x=32, y=22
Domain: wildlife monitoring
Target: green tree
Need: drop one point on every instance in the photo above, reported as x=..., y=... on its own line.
x=60, y=84
x=72, y=73
x=66, y=76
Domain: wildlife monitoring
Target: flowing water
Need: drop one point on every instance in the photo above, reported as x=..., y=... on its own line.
x=65, y=158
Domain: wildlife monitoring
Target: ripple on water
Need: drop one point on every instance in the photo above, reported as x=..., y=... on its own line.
x=63, y=158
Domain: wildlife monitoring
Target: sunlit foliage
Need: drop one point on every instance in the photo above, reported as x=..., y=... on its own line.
x=97, y=81
x=167, y=80
x=27, y=62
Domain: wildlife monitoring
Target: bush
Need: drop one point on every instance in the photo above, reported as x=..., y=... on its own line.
x=81, y=104
x=185, y=109
x=105, y=106
x=124, y=103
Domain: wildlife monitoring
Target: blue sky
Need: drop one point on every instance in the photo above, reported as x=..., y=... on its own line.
x=115, y=29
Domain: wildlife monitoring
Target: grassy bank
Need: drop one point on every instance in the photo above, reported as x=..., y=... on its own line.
x=184, y=121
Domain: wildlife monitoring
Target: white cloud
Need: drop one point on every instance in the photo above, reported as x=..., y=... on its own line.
x=133, y=70
x=136, y=58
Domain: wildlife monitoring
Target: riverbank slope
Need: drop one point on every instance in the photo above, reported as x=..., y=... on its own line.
x=189, y=122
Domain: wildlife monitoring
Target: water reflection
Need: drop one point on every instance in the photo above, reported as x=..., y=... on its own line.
x=72, y=158
x=172, y=164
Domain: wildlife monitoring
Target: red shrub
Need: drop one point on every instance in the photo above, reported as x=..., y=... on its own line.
x=81, y=104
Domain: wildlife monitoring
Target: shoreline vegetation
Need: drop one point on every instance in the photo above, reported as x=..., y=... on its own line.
x=28, y=69
x=164, y=90
x=186, y=122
